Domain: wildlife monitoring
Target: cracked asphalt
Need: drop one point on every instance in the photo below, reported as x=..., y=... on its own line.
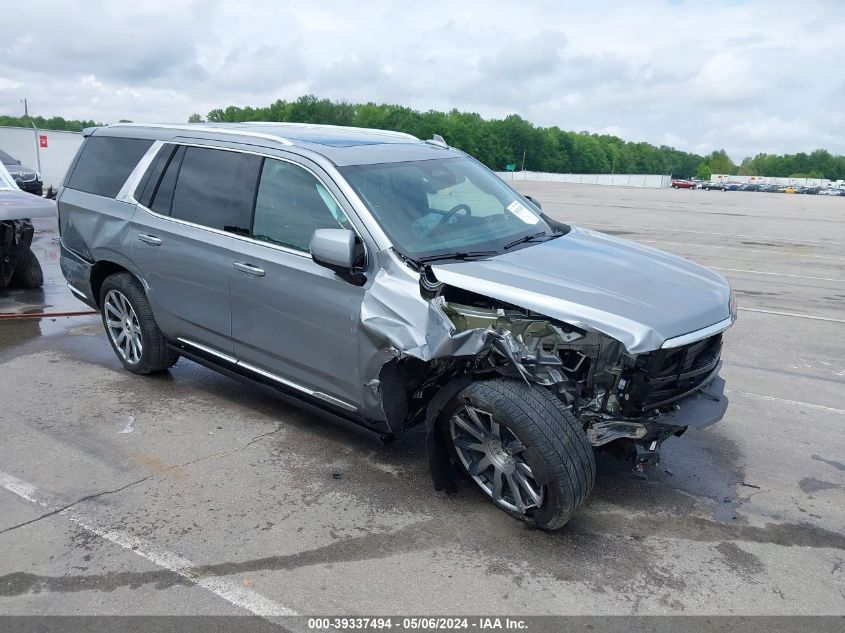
x=219, y=499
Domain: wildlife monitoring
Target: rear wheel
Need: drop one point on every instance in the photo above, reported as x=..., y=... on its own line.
x=523, y=448
x=131, y=328
x=27, y=272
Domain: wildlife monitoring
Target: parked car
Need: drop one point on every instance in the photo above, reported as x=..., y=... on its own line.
x=707, y=186
x=790, y=189
x=768, y=188
x=19, y=266
x=391, y=282
x=683, y=184
x=809, y=190
x=749, y=186
x=26, y=178
x=733, y=186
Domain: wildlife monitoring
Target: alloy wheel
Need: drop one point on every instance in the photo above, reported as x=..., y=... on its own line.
x=123, y=326
x=495, y=458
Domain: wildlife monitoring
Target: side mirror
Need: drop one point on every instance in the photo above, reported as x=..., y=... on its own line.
x=536, y=202
x=334, y=249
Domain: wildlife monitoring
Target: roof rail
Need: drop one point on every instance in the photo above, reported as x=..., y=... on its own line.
x=200, y=128
x=335, y=127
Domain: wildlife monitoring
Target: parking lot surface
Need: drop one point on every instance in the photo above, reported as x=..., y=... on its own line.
x=190, y=493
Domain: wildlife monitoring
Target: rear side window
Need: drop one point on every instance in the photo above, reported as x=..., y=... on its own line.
x=162, y=191
x=105, y=163
x=216, y=188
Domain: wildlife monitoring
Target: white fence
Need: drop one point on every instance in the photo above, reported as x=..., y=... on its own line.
x=652, y=181
x=48, y=151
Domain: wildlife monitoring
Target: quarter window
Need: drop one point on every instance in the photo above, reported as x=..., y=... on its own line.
x=291, y=204
x=105, y=163
x=216, y=188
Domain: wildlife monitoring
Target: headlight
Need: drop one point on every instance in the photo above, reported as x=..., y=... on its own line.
x=733, y=304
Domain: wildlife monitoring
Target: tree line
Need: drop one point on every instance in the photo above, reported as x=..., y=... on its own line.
x=509, y=141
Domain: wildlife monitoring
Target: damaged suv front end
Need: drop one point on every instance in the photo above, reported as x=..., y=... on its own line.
x=627, y=338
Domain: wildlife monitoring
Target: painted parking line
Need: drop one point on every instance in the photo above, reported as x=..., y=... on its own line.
x=739, y=248
x=793, y=314
x=229, y=591
x=809, y=405
x=762, y=272
x=674, y=230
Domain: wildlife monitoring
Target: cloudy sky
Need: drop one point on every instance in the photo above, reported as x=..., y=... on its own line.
x=748, y=76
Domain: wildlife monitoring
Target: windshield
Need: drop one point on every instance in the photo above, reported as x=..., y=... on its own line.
x=443, y=207
x=6, y=159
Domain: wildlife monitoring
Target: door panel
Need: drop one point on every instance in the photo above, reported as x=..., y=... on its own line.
x=299, y=321
x=187, y=278
x=290, y=316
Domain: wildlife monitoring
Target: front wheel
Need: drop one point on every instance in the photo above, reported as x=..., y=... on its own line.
x=523, y=448
x=28, y=272
x=131, y=328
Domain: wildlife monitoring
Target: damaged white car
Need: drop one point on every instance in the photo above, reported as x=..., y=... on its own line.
x=392, y=282
x=19, y=267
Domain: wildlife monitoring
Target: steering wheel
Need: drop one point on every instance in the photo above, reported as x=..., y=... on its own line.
x=451, y=213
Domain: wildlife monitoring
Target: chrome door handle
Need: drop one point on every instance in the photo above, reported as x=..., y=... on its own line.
x=249, y=269
x=152, y=240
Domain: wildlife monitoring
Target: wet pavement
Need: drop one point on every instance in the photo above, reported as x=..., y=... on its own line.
x=191, y=493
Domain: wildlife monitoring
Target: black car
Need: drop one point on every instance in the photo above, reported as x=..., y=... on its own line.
x=25, y=177
x=707, y=186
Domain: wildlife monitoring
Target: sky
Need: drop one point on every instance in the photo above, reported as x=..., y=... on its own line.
x=747, y=76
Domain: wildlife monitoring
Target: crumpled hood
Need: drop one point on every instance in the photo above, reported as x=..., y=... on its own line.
x=637, y=295
x=17, y=205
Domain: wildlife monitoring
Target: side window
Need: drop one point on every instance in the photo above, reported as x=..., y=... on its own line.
x=146, y=187
x=105, y=163
x=216, y=188
x=162, y=191
x=291, y=204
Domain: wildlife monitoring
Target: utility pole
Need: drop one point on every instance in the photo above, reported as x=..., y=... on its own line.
x=523, y=160
x=25, y=108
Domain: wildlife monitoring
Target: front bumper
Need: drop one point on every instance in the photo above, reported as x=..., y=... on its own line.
x=699, y=410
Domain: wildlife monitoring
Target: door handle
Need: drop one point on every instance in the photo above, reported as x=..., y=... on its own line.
x=249, y=269
x=152, y=240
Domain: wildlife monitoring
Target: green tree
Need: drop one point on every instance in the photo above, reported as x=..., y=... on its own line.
x=195, y=118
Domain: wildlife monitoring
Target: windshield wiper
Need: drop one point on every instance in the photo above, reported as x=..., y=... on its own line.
x=525, y=238
x=456, y=255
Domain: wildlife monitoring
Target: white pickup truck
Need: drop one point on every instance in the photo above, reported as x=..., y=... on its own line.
x=18, y=265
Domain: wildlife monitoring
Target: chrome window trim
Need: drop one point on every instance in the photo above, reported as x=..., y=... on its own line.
x=278, y=247
x=263, y=372
x=692, y=337
x=127, y=191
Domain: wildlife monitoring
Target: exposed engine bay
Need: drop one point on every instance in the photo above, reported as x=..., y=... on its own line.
x=628, y=404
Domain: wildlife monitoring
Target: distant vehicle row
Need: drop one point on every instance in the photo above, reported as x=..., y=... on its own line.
x=738, y=186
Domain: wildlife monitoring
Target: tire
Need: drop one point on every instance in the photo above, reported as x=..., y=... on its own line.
x=125, y=309
x=27, y=272
x=535, y=430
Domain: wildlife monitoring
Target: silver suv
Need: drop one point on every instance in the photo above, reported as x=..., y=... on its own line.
x=391, y=282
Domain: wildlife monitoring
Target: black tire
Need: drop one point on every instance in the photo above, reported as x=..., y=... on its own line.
x=27, y=269
x=154, y=356
x=555, y=445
